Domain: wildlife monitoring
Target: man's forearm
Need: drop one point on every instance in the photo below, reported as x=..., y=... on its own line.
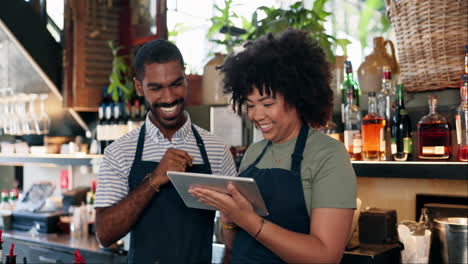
x=112, y=223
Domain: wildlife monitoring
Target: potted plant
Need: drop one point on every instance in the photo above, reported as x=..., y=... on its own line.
x=120, y=80
x=223, y=27
x=298, y=17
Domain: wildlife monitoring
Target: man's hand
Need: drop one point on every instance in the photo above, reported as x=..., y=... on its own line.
x=173, y=160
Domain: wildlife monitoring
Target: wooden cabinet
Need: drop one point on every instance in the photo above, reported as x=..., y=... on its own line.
x=142, y=21
x=87, y=57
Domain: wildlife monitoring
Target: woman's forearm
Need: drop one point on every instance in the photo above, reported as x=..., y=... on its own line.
x=325, y=243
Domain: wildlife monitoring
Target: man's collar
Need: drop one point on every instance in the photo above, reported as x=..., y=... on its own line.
x=183, y=132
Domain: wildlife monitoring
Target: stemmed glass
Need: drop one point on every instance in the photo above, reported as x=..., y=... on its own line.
x=23, y=127
x=31, y=117
x=43, y=120
x=14, y=120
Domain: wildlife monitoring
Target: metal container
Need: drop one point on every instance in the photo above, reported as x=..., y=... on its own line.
x=452, y=234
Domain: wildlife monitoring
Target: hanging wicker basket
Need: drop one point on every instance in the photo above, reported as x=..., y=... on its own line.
x=431, y=35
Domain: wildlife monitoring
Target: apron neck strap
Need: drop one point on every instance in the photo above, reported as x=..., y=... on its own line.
x=140, y=144
x=299, y=148
x=261, y=154
x=201, y=145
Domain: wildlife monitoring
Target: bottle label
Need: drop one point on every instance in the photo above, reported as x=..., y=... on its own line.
x=437, y=150
x=357, y=145
x=394, y=148
x=407, y=145
x=99, y=132
x=459, y=129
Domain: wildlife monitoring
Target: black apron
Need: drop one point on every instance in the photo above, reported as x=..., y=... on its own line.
x=167, y=230
x=284, y=197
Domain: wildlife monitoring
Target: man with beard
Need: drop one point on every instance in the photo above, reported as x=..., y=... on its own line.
x=134, y=193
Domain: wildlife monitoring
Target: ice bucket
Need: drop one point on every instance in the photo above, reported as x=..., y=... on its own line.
x=452, y=232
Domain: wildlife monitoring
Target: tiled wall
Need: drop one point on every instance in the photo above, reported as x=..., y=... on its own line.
x=400, y=194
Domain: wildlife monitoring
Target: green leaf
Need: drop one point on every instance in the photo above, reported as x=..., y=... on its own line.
x=371, y=9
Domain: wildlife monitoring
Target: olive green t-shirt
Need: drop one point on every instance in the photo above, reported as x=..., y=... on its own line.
x=328, y=178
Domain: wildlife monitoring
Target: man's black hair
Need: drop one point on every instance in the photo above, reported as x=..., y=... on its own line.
x=292, y=64
x=156, y=51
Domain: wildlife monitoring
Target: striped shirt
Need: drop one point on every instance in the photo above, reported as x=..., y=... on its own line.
x=112, y=182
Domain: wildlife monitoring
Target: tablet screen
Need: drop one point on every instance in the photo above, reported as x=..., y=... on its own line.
x=182, y=181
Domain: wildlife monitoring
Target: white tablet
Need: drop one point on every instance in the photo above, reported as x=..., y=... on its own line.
x=182, y=181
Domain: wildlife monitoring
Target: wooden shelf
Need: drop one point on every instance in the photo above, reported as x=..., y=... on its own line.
x=43, y=159
x=450, y=170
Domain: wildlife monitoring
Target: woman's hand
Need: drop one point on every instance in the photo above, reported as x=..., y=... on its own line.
x=233, y=207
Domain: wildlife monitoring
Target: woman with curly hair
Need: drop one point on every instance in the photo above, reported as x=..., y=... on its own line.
x=305, y=177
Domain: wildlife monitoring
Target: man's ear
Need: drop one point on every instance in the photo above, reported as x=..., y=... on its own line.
x=138, y=86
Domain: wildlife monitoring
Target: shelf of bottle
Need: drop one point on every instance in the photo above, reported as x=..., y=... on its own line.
x=47, y=159
x=450, y=170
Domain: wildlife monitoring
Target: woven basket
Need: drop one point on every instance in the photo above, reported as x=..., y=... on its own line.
x=431, y=35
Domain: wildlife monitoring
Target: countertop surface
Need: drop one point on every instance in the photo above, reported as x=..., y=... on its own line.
x=88, y=243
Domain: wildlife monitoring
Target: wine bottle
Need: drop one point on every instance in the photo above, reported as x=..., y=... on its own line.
x=143, y=109
x=461, y=121
x=107, y=126
x=385, y=98
x=349, y=84
x=352, y=115
x=402, y=143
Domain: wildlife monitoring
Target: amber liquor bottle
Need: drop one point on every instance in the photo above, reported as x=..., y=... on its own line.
x=373, y=132
x=434, y=142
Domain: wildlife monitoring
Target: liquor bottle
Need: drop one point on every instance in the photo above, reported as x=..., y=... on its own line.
x=126, y=117
x=132, y=122
x=11, y=258
x=434, y=134
x=373, y=132
x=461, y=121
x=385, y=98
x=13, y=198
x=330, y=129
x=5, y=204
x=116, y=119
x=100, y=136
x=402, y=143
x=349, y=84
x=357, y=147
x=352, y=121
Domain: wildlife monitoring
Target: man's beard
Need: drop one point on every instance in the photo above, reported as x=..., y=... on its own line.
x=162, y=121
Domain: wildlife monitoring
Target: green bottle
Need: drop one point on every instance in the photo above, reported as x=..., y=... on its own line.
x=349, y=83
